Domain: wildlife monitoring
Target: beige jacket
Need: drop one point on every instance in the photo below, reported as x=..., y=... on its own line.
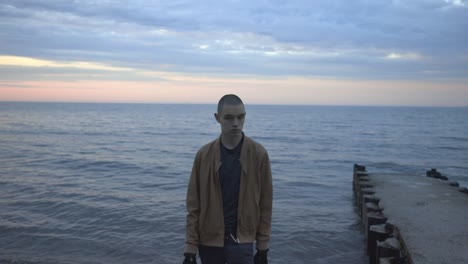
x=205, y=220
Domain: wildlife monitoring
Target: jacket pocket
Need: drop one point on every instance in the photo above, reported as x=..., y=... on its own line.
x=211, y=223
x=250, y=216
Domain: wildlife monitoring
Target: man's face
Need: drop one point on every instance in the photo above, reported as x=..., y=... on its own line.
x=231, y=119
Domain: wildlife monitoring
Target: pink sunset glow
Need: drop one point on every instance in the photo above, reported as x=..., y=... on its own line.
x=278, y=91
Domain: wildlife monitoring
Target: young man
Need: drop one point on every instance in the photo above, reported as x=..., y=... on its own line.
x=229, y=196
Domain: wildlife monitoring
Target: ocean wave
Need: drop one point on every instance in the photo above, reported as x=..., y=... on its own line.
x=18, y=261
x=96, y=166
x=456, y=139
x=453, y=148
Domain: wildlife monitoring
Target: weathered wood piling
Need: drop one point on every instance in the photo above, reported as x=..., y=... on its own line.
x=380, y=235
x=410, y=219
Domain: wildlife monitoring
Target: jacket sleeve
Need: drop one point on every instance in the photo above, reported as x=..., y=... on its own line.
x=193, y=208
x=266, y=201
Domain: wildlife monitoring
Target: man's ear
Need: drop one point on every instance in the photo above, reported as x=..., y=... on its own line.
x=216, y=116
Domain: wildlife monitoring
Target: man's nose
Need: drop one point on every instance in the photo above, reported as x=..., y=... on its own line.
x=235, y=122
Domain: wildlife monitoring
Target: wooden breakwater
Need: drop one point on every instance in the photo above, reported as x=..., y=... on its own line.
x=412, y=219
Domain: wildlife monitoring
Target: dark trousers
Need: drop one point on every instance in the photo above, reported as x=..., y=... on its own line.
x=231, y=253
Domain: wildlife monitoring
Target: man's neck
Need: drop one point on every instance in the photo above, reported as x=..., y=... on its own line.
x=229, y=141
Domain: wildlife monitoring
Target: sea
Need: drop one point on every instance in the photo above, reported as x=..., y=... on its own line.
x=106, y=183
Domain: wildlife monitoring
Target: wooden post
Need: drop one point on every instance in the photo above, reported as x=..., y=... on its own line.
x=399, y=260
x=359, y=171
x=360, y=196
x=357, y=178
x=372, y=218
x=376, y=233
x=358, y=167
x=370, y=198
x=390, y=248
x=370, y=207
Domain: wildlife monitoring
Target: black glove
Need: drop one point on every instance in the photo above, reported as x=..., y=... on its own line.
x=190, y=258
x=261, y=257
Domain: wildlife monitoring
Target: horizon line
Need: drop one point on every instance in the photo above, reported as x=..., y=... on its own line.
x=248, y=104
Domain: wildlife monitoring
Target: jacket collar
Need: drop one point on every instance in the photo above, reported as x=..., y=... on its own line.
x=243, y=155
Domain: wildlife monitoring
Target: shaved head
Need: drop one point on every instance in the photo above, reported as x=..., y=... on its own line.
x=230, y=99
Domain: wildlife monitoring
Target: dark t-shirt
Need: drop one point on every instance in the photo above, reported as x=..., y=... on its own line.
x=229, y=174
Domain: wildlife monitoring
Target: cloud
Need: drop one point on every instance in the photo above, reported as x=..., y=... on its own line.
x=460, y=3
x=305, y=38
x=403, y=56
x=31, y=62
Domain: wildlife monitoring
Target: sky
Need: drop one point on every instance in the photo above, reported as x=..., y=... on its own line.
x=363, y=52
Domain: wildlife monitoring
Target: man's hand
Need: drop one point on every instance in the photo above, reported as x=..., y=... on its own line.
x=261, y=257
x=189, y=258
